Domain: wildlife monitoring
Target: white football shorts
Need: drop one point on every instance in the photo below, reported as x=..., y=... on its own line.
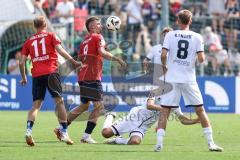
x=134, y=123
x=190, y=92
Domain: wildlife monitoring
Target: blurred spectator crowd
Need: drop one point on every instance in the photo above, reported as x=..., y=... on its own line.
x=217, y=20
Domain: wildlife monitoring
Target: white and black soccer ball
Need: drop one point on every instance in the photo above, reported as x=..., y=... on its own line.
x=113, y=23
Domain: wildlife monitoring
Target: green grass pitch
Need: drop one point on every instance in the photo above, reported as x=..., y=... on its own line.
x=181, y=142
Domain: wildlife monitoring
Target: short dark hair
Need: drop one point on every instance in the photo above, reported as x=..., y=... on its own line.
x=184, y=16
x=91, y=19
x=39, y=22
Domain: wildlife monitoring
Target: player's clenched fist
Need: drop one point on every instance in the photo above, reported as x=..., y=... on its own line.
x=23, y=82
x=122, y=63
x=78, y=64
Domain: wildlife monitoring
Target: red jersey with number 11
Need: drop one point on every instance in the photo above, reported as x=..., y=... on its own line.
x=91, y=58
x=41, y=48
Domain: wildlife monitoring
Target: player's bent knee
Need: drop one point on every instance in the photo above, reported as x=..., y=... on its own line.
x=134, y=141
x=107, y=132
x=98, y=105
x=37, y=104
x=84, y=107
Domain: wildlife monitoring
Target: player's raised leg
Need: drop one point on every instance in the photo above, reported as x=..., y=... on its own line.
x=107, y=131
x=77, y=111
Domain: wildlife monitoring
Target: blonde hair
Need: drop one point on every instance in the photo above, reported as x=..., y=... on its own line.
x=39, y=22
x=185, y=16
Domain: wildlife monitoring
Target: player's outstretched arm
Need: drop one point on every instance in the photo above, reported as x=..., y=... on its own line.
x=107, y=55
x=152, y=106
x=66, y=55
x=187, y=121
x=22, y=69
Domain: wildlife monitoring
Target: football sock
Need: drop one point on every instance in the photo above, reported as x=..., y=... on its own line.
x=68, y=123
x=208, y=134
x=108, y=121
x=90, y=127
x=30, y=125
x=64, y=126
x=120, y=140
x=160, y=135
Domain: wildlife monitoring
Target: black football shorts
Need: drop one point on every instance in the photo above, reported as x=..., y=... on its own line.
x=51, y=82
x=90, y=91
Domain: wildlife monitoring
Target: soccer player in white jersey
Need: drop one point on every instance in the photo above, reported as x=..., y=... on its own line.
x=183, y=48
x=155, y=52
x=137, y=122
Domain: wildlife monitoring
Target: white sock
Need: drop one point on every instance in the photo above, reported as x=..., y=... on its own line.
x=120, y=140
x=29, y=131
x=208, y=134
x=108, y=121
x=160, y=135
x=85, y=136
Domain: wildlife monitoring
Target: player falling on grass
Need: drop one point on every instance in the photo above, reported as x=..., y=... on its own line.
x=92, y=52
x=43, y=48
x=183, y=48
x=137, y=122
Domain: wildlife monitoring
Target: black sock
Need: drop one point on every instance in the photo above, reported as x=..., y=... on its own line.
x=68, y=123
x=64, y=126
x=90, y=127
x=30, y=124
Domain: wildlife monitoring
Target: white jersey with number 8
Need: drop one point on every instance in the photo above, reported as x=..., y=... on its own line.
x=182, y=47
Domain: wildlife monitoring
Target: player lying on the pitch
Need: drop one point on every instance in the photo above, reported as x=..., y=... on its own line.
x=137, y=122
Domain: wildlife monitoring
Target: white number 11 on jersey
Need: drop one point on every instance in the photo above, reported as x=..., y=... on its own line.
x=35, y=45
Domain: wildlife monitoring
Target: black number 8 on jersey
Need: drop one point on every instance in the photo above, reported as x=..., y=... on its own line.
x=182, y=49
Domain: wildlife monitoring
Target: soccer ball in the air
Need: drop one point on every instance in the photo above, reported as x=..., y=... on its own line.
x=113, y=23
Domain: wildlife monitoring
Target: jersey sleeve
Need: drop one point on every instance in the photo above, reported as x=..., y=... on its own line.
x=200, y=44
x=177, y=111
x=151, y=53
x=166, y=42
x=25, y=50
x=55, y=39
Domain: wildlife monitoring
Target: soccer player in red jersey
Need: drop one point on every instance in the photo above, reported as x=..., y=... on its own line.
x=92, y=52
x=43, y=48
